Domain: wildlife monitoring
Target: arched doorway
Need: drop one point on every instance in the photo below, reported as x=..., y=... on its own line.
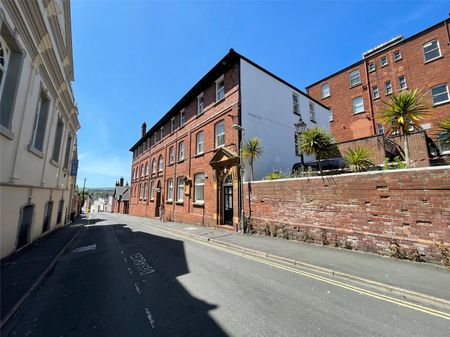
x=25, y=226
x=227, y=188
x=157, y=198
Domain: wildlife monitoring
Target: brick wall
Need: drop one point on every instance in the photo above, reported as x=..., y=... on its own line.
x=404, y=213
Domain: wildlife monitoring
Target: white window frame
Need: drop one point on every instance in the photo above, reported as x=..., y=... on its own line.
x=172, y=124
x=200, y=143
x=375, y=92
x=371, y=67
x=402, y=82
x=171, y=155
x=388, y=85
x=399, y=57
x=443, y=93
x=355, y=106
x=160, y=163
x=181, y=151
x=351, y=77
x=200, y=103
x=295, y=103
x=380, y=129
x=146, y=168
x=384, y=61
x=182, y=117
x=180, y=189
x=220, y=90
x=219, y=137
x=161, y=132
x=312, y=111
x=145, y=191
x=4, y=67
x=199, y=182
x=154, y=166
x=425, y=53
x=142, y=170
x=330, y=117
x=152, y=190
x=325, y=93
x=170, y=189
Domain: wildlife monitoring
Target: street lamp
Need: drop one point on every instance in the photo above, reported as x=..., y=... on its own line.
x=300, y=127
x=236, y=126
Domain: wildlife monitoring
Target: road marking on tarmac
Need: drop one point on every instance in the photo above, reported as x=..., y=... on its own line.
x=150, y=317
x=349, y=287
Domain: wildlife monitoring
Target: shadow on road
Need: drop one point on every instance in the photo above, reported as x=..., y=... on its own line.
x=126, y=286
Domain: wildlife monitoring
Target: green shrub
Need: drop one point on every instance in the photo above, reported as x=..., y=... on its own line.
x=359, y=159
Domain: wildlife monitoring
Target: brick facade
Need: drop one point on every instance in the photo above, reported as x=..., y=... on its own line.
x=347, y=125
x=401, y=213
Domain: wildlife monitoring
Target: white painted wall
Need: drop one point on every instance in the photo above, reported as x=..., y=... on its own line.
x=267, y=113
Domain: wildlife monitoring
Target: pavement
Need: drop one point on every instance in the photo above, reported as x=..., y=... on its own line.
x=21, y=270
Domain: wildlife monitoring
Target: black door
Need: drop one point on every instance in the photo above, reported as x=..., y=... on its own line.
x=25, y=226
x=228, y=204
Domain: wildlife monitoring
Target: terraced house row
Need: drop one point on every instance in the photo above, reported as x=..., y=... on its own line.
x=188, y=164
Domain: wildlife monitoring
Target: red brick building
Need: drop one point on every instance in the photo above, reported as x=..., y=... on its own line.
x=355, y=93
x=121, y=198
x=187, y=164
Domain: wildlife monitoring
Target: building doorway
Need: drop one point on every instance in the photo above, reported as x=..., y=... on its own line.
x=158, y=198
x=228, y=200
x=25, y=226
x=47, y=216
x=60, y=211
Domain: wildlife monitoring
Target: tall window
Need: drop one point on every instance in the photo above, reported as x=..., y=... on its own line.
x=146, y=168
x=182, y=117
x=402, y=82
x=155, y=138
x=397, y=55
x=295, y=104
x=172, y=124
x=141, y=190
x=200, y=103
x=325, y=90
x=375, y=92
x=200, y=142
x=384, y=61
x=355, y=78
x=142, y=170
x=145, y=191
x=388, y=87
x=371, y=67
x=180, y=189
x=171, y=155
x=312, y=112
x=199, y=188
x=169, y=189
x=57, y=140
x=160, y=163
x=431, y=50
x=220, y=88
x=439, y=94
x=330, y=117
x=154, y=166
x=161, y=132
x=181, y=151
x=40, y=122
x=220, y=134
x=4, y=60
x=68, y=152
x=60, y=211
x=358, y=105
x=152, y=190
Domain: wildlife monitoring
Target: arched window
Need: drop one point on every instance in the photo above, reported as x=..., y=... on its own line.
x=146, y=169
x=145, y=191
x=160, y=163
x=4, y=60
x=154, y=165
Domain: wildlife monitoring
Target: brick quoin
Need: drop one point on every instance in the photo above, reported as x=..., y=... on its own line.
x=370, y=211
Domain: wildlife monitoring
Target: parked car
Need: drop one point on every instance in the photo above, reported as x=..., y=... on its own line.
x=327, y=164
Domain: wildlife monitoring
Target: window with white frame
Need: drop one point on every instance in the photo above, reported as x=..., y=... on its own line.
x=371, y=67
x=142, y=170
x=397, y=55
x=355, y=78
x=431, y=50
x=68, y=152
x=4, y=60
x=384, y=61
x=380, y=129
x=169, y=189
x=181, y=151
x=141, y=191
x=155, y=138
x=330, y=117
x=154, y=166
x=200, y=142
x=440, y=94
x=40, y=122
x=200, y=103
x=444, y=147
x=160, y=163
x=312, y=112
x=295, y=104
x=152, y=190
x=182, y=117
x=180, y=189
x=325, y=90
x=402, y=82
x=146, y=169
x=171, y=155
x=220, y=88
x=358, y=104
x=220, y=134
x=375, y=92
x=199, y=188
x=145, y=191
x=172, y=124
x=57, y=140
x=161, y=132
x=388, y=87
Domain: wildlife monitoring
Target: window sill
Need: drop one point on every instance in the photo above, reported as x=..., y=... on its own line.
x=199, y=155
x=179, y=203
x=375, y=98
x=197, y=115
x=326, y=97
x=171, y=164
x=199, y=204
x=384, y=66
x=371, y=71
x=358, y=113
x=6, y=132
x=355, y=85
x=431, y=60
x=217, y=102
x=398, y=60
x=180, y=161
x=54, y=163
x=169, y=202
x=441, y=103
x=152, y=200
x=35, y=151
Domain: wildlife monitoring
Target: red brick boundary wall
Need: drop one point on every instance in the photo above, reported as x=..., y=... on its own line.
x=401, y=213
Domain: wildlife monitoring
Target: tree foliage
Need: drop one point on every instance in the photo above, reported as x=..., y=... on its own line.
x=252, y=150
x=319, y=142
x=359, y=159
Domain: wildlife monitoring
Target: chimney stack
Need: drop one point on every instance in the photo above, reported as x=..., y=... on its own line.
x=143, y=129
x=121, y=181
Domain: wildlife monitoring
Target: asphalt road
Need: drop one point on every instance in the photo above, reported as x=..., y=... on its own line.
x=125, y=279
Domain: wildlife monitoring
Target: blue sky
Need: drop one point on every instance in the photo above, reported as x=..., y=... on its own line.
x=135, y=59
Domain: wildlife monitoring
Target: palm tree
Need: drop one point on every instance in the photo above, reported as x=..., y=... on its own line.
x=319, y=142
x=402, y=111
x=444, y=127
x=251, y=151
x=359, y=159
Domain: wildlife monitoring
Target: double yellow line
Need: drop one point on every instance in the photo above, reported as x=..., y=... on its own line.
x=349, y=287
